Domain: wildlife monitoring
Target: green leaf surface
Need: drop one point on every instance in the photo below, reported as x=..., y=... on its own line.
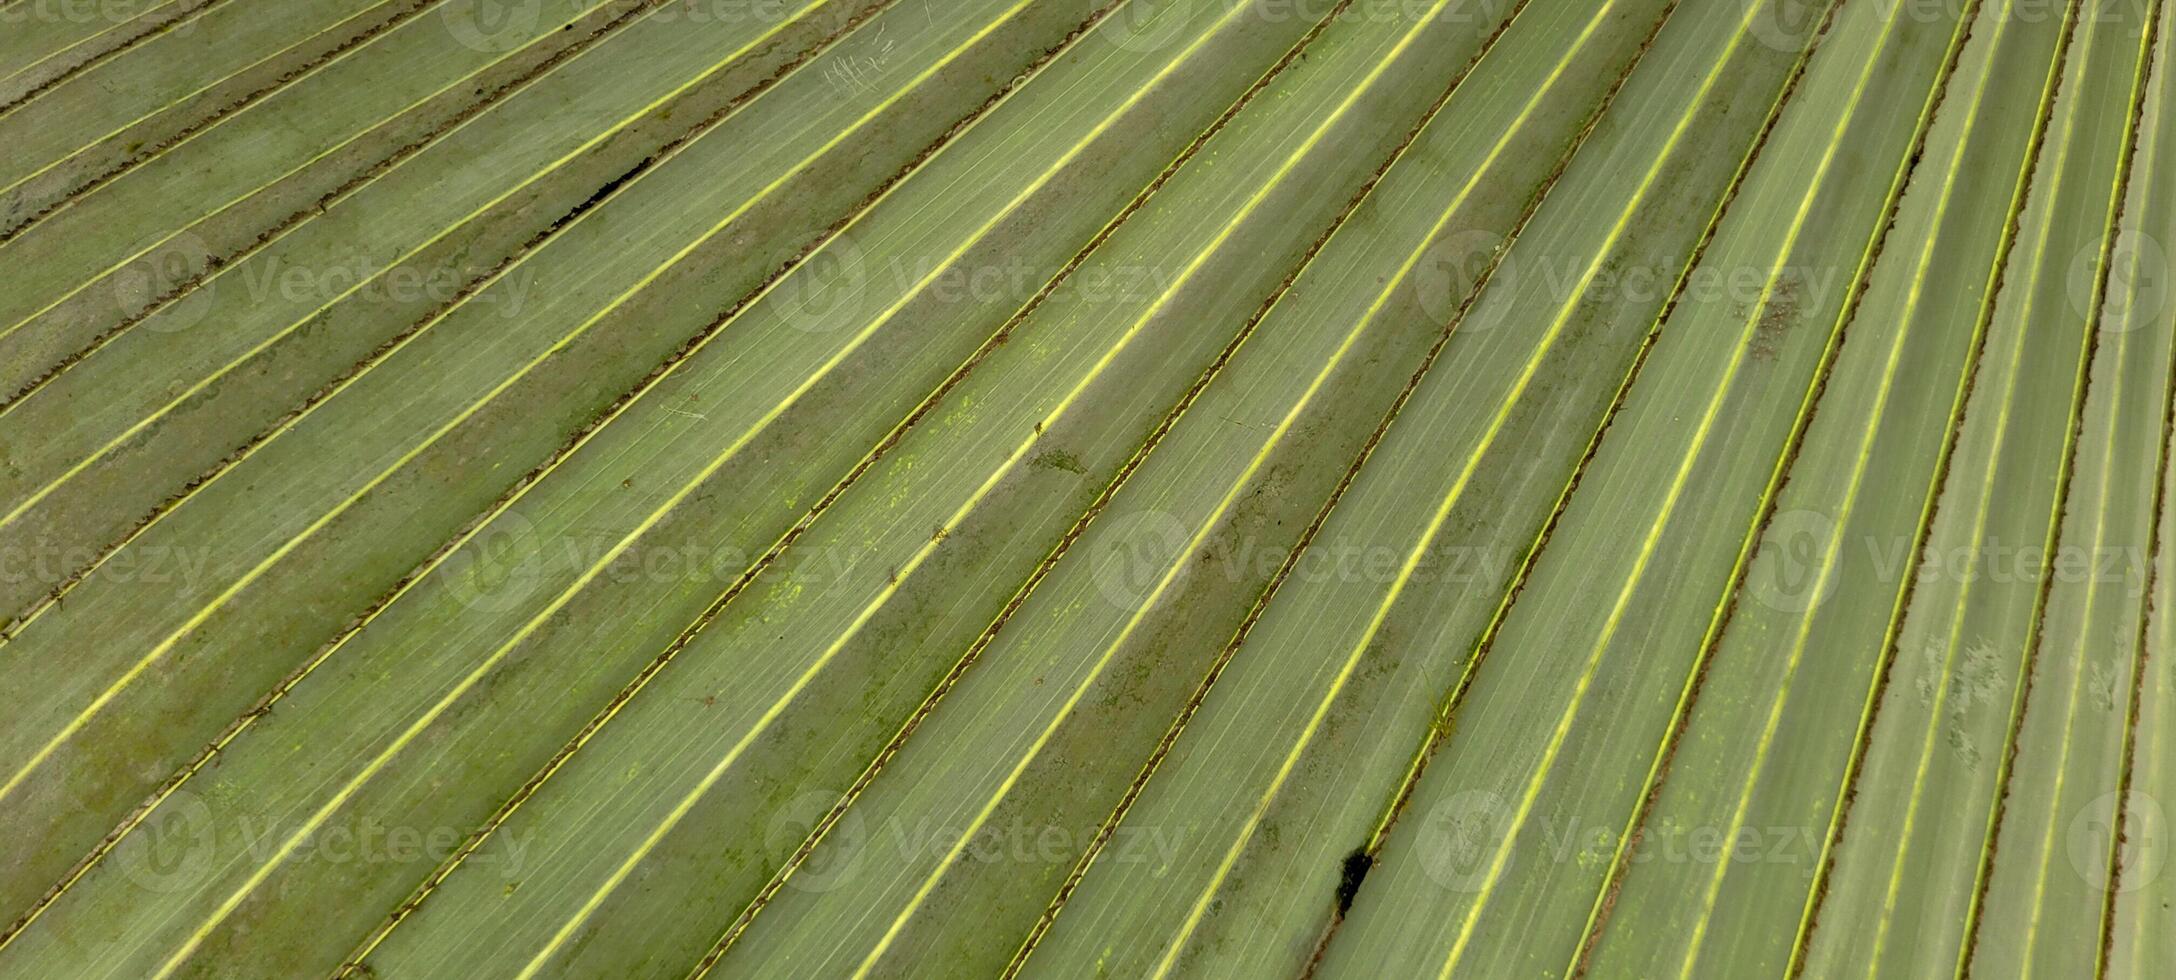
x=1294, y=710
x=1549, y=777
x=294, y=318
x=2139, y=918
x=1907, y=880
x=925, y=541
x=1835, y=559
x=147, y=96
x=1117, y=488
x=45, y=41
x=467, y=406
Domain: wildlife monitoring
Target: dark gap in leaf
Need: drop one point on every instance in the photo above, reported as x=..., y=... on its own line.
x=1355, y=871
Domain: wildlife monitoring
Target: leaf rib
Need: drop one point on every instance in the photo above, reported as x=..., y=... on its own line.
x=220, y=264
x=287, y=77
x=1732, y=592
x=1923, y=534
x=664, y=153
x=150, y=31
x=475, y=526
x=1269, y=590
x=2089, y=351
x=1079, y=527
x=2142, y=653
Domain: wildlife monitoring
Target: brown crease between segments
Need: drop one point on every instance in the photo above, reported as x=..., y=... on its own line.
x=1079, y=527
x=475, y=524
x=1779, y=479
x=1170, y=738
x=143, y=664
x=279, y=229
x=149, y=31
x=358, y=27
x=2142, y=658
x=51, y=56
x=152, y=151
x=931, y=882
x=2082, y=388
x=2057, y=510
x=1440, y=731
x=2115, y=214
x=386, y=349
x=2149, y=50
x=1997, y=279
x=2029, y=662
x=355, y=962
x=1441, y=727
x=1924, y=521
x=1929, y=508
x=1565, y=314
x=2057, y=67
x=1659, y=523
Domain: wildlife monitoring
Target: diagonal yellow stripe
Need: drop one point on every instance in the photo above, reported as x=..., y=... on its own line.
x=416, y=728
x=1653, y=539
x=1176, y=945
x=333, y=30
x=161, y=649
x=123, y=46
x=1862, y=460
x=2100, y=533
x=233, y=261
x=110, y=29
x=1954, y=641
x=380, y=357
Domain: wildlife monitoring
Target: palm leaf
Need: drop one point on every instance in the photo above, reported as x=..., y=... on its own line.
x=1085, y=487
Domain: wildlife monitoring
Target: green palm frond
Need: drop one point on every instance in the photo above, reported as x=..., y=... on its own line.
x=1132, y=488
